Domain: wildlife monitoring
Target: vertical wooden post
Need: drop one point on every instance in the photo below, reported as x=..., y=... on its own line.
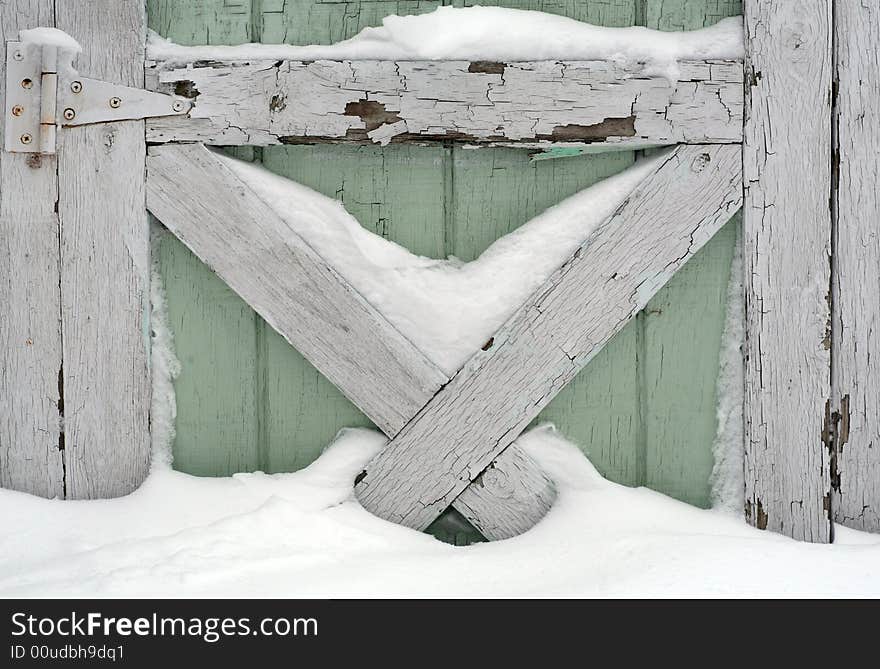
x=105, y=264
x=30, y=309
x=787, y=237
x=855, y=474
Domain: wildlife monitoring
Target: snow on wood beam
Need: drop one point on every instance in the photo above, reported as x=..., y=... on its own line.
x=474, y=417
x=251, y=248
x=855, y=345
x=787, y=238
x=530, y=104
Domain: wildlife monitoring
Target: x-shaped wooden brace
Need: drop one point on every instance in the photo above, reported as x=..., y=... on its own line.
x=450, y=438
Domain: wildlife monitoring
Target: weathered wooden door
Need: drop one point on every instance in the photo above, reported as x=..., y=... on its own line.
x=643, y=410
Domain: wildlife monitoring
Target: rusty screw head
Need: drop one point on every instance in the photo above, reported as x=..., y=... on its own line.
x=17, y=110
x=69, y=114
x=27, y=83
x=18, y=55
x=26, y=138
x=115, y=102
x=76, y=86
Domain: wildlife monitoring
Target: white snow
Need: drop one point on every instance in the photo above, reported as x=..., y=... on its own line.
x=488, y=33
x=50, y=37
x=728, y=484
x=303, y=534
x=164, y=365
x=447, y=308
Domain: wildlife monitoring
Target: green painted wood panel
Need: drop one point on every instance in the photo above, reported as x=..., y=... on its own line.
x=215, y=332
x=643, y=410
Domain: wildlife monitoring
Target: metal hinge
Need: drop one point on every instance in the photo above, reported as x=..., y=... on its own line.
x=40, y=99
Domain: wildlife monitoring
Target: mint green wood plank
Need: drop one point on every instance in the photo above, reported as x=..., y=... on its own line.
x=688, y=14
x=325, y=22
x=215, y=339
x=599, y=12
x=215, y=332
x=683, y=338
x=396, y=192
x=683, y=329
x=201, y=21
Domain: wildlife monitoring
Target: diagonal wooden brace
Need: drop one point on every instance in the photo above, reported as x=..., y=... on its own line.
x=477, y=415
x=212, y=211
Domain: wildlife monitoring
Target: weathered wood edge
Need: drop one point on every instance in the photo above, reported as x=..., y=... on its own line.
x=321, y=315
x=105, y=261
x=855, y=351
x=31, y=446
x=528, y=104
x=561, y=327
x=787, y=252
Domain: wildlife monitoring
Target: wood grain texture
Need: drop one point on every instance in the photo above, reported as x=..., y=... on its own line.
x=323, y=317
x=201, y=200
x=105, y=261
x=559, y=329
x=31, y=459
x=856, y=269
x=530, y=104
x=787, y=238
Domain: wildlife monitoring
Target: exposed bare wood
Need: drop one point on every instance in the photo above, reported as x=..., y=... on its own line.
x=30, y=325
x=199, y=199
x=559, y=329
x=523, y=104
x=787, y=237
x=855, y=472
x=105, y=260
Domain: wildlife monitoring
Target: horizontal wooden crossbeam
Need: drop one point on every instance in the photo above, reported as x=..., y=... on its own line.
x=249, y=246
x=611, y=277
x=526, y=104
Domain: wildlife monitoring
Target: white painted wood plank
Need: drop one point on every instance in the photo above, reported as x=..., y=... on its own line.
x=787, y=238
x=30, y=325
x=250, y=247
x=559, y=329
x=105, y=260
x=525, y=104
x=213, y=212
x=856, y=305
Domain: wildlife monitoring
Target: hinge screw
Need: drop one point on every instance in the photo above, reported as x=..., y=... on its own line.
x=69, y=114
x=115, y=102
x=18, y=55
x=177, y=106
x=26, y=138
x=26, y=83
x=17, y=110
x=76, y=86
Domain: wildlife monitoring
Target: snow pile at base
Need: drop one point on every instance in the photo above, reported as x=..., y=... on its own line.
x=727, y=479
x=447, y=308
x=488, y=33
x=304, y=534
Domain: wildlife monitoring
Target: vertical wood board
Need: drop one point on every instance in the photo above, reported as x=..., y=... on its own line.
x=105, y=264
x=787, y=247
x=31, y=456
x=856, y=328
